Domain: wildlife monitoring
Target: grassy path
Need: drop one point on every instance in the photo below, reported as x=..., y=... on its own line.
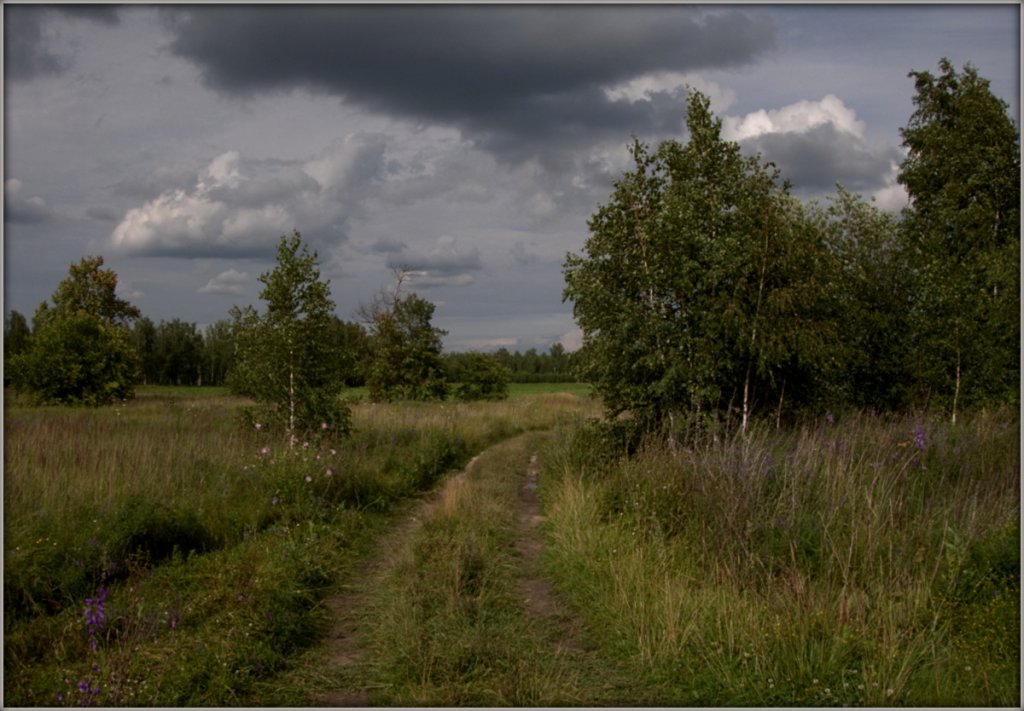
x=453, y=607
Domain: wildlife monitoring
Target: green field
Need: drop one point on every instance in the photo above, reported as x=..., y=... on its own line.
x=158, y=553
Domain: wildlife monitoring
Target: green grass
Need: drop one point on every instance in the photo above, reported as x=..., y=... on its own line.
x=863, y=562
x=828, y=565
x=448, y=625
x=174, y=509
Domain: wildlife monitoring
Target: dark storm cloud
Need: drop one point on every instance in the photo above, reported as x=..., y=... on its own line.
x=815, y=160
x=504, y=74
x=23, y=209
x=27, y=50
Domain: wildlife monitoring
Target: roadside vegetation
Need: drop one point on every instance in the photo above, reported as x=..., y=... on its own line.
x=865, y=561
x=158, y=553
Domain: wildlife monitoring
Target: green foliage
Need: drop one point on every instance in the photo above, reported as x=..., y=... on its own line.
x=480, y=377
x=17, y=335
x=700, y=287
x=406, y=350
x=81, y=351
x=284, y=357
x=873, y=285
x=962, y=172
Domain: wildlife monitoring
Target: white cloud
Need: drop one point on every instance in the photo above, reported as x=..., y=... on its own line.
x=799, y=117
x=572, y=340
x=646, y=86
x=231, y=281
x=239, y=205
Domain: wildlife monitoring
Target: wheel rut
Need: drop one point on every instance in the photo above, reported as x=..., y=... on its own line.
x=537, y=590
x=352, y=603
x=345, y=609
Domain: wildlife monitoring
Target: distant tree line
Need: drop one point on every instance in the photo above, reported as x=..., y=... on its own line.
x=90, y=347
x=180, y=353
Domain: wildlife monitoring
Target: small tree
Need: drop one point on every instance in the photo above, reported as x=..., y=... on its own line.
x=406, y=349
x=284, y=357
x=81, y=350
x=481, y=377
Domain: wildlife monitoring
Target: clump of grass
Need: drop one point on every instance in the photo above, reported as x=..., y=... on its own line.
x=814, y=566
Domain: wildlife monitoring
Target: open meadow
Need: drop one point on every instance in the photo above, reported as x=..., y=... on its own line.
x=158, y=553
x=199, y=550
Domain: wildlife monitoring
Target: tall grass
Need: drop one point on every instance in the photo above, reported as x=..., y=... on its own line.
x=169, y=507
x=448, y=624
x=861, y=562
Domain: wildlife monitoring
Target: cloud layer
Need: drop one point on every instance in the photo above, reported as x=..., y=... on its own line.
x=237, y=207
x=518, y=79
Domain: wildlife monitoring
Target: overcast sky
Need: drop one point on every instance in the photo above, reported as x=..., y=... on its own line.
x=468, y=144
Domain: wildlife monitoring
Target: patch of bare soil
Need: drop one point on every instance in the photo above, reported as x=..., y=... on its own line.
x=537, y=590
x=344, y=648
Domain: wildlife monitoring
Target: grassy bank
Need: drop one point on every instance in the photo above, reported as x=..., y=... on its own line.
x=860, y=562
x=156, y=553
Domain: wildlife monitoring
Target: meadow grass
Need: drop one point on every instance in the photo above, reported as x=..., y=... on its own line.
x=447, y=624
x=200, y=550
x=863, y=562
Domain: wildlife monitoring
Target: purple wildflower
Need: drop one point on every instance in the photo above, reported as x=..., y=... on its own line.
x=919, y=440
x=95, y=615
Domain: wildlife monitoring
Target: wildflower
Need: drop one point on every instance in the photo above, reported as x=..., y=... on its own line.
x=95, y=615
x=259, y=426
x=333, y=452
x=308, y=478
x=329, y=472
x=919, y=440
x=274, y=501
x=264, y=450
x=323, y=425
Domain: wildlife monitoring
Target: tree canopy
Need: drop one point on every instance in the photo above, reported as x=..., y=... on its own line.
x=962, y=173
x=405, y=361
x=80, y=349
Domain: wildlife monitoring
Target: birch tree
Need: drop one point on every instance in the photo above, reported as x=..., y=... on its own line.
x=962, y=173
x=284, y=358
x=696, y=289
